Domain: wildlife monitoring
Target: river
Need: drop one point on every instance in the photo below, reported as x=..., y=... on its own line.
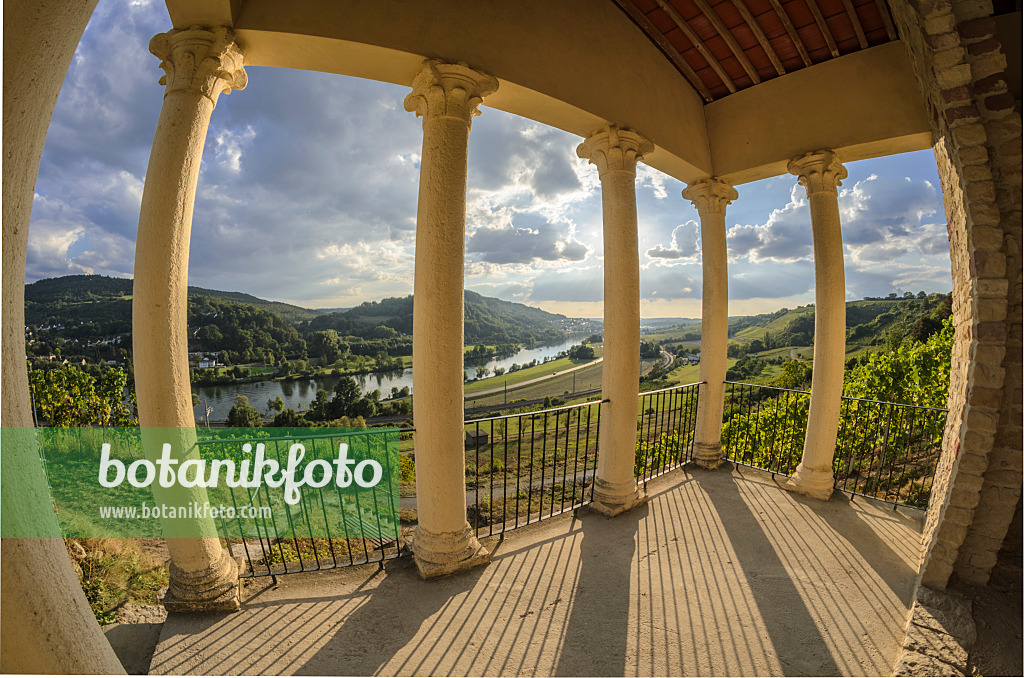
x=298, y=394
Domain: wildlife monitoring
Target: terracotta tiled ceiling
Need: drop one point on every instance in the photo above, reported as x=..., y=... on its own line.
x=723, y=46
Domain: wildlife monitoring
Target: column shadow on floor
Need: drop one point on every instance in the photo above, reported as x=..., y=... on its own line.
x=384, y=623
x=798, y=644
x=597, y=629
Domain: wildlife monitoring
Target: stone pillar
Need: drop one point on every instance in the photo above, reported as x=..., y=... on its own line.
x=46, y=625
x=821, y=174
x=615, y=152
x=200, y=64
x=710, y=197
x=446, y=96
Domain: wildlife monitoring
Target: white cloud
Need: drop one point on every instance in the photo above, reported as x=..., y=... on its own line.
x=685, y=243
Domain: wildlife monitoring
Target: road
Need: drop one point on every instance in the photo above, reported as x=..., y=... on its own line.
x=492, y=391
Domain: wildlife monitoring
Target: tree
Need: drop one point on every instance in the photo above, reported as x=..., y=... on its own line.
x=243, y=415
x=320, y=407
x=346, y=394
x=275, y=405
x=291, y=419
x=581, y=352
x=482, y=372
x=326, y=345
x=795, y=375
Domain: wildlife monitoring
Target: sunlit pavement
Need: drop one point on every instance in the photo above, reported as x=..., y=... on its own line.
x=721, y=573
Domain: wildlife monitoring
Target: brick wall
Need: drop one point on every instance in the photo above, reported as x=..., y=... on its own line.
x=977, y=143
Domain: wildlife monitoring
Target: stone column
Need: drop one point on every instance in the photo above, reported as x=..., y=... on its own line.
x=710, y=197
x=46, y=625
x=821, y=174
x=200, y=64
x=447, y=97
x=615, y=152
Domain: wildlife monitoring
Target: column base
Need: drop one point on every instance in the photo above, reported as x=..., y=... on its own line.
x=438, y=555
x=612, y=499
x=214, y=589
x=707, y=455
x=815, y=483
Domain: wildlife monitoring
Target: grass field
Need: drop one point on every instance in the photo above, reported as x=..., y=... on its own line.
x=519, y=376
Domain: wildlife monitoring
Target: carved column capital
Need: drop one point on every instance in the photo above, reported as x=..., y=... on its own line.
x=449, y=90
x=201, y=60
x=818, y=171
x=710, y=196
x=614, y=149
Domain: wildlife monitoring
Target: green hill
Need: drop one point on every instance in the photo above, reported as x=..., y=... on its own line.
x=488, y=320
x=98, y=298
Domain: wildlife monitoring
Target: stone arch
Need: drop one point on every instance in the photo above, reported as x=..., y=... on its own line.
x=976, y=131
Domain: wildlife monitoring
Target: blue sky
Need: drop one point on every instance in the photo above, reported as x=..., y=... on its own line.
x=307, y=194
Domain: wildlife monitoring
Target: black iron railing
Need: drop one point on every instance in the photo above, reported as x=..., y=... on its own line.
x=884, y=450
x=326, y=529
x=525, y=467
x=763, y=426
x=888, y=450
x=665, y=430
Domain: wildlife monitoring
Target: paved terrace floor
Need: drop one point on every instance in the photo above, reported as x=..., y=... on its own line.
x=721, y=573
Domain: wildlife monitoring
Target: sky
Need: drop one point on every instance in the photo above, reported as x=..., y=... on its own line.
x=307, y=194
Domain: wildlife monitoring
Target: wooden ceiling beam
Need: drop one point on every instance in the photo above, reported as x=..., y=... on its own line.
x=791, y=30
x=658, y=37
x=762, y=39
x=680, y=22
x=737, y=51
x=855, y=20
x=823, y=27
x=883, y=9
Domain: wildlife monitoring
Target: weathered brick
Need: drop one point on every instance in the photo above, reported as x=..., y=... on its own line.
x=1006, y=129
x=979, y=420
x=974, y=464
x=943, y=41
x=970, y=485
x=969, y=135
x=973, y=155
x=984, y=47
x=977, y=442
x=947, y=58
x=990, y=309
x=991, y=398
x=956, y=95
x=983, y=214
x=987, y=238
x=940, y=23
x=998, y=102
x=981, y=27
x=1009, y=494
x=1002, y=478
x=959, y=516
x=961, y=114
x=980, y=190
x=983, y=560
x=954, y=77
x=969, y=9
x=988, y=263
x=987, y=376
x=932, y=8
x=985, y=65
x=993, y=84
x=976, y=173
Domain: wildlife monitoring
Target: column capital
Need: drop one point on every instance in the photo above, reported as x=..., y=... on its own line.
x=818, y=171
x=710, y=196
x=449, y=90
x=201, y=60
x=614, y=149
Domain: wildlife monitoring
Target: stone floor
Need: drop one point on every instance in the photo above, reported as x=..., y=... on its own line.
x=721, y=573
